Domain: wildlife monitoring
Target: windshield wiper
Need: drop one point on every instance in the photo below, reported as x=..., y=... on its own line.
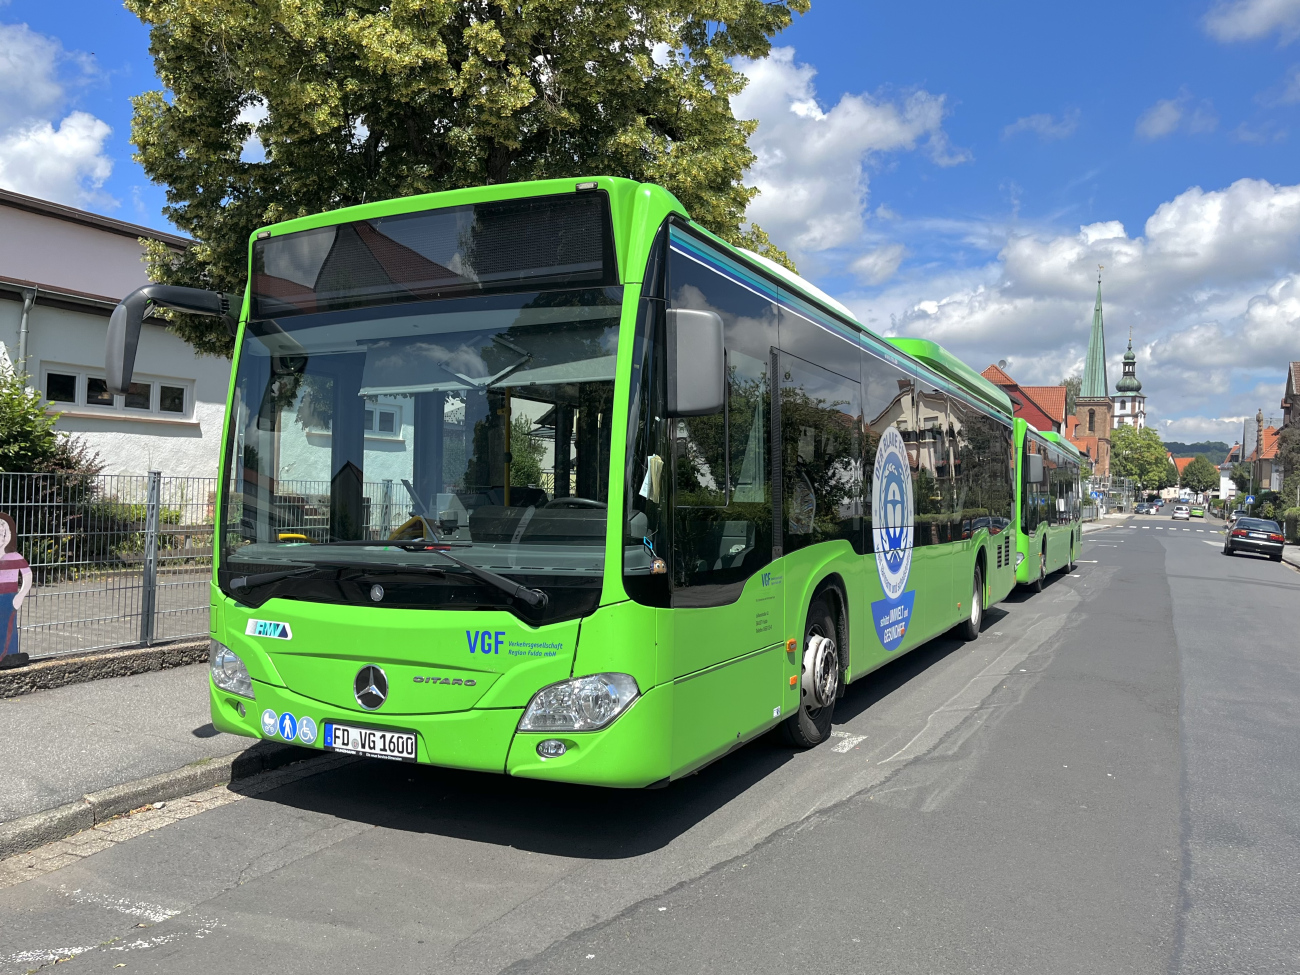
x=533, y=597
x=266, y=578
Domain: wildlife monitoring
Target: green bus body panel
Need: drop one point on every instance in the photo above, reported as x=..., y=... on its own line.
x=947, y=364
x=710, y=678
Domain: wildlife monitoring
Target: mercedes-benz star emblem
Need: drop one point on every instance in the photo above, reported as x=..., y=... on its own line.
x=376, y=592
x=370, y=687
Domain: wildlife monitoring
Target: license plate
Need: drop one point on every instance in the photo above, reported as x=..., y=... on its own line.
x=1258, y=535
x=398, y=746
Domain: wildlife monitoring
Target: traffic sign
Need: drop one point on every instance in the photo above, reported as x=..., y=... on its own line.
x=1250, y=499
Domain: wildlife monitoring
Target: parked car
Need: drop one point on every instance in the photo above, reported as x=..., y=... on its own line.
x=1238, y=513
x=1198, y=511
x=1182, y=513
x=1256, y=535
x=1142, y=509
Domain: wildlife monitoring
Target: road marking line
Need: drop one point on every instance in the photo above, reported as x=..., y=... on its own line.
x=1198, y=531
x=1088, y=560
x=848, y=743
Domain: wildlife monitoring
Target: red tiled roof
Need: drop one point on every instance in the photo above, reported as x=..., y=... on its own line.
x=1050, y=399
x=1086, y=446
x=1181, y=463
x=995, y=375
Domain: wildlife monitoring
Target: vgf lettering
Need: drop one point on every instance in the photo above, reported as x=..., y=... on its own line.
x=485, y=641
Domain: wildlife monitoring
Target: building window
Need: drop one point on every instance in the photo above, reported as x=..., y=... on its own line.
x=71, y=387
x=1092, y=421
x=61, y=387
x=383, y=421
x=1123, y=406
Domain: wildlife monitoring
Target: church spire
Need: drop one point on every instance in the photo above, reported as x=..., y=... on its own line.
x=1095, y=385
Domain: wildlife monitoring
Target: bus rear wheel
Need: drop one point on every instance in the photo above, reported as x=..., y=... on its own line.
x=970, y=629
x=819, y=684
x=1037, y=584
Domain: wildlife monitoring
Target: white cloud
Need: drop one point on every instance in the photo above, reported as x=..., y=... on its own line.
x=1211, y=289
x=879, y=265
x=811, y=161
x=1168, y=115
x=66, y=164
x=41, y=154
x=1245, y=20
x=1160, y=120
x=1045, y=126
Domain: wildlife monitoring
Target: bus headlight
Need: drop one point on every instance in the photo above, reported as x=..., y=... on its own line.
x=228, y=671
x=581, y=704
x=1020, y=557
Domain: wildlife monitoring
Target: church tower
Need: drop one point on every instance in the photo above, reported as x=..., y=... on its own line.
x=1130, y=404
x=1093, y=407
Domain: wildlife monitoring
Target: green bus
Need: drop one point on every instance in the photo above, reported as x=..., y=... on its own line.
x=545, y=479
x=1049, y=526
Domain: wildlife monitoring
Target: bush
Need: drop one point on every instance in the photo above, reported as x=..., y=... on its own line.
x=1291, y=524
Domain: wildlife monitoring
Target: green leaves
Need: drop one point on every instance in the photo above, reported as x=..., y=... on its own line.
x=1141, y=455
x=1200, y=475
x=366, y=101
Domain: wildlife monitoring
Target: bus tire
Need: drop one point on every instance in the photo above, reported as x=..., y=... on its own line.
x=970, y=628
x=1037, y=584
x=819, y=683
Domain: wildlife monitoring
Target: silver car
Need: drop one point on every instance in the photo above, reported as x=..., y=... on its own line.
x=1182, y=513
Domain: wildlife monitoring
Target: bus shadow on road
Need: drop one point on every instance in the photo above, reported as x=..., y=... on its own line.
x=568, y=820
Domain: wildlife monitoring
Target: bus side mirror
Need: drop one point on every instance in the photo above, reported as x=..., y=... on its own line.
x=124, y=325
x=1034, y=469
x=696, y=372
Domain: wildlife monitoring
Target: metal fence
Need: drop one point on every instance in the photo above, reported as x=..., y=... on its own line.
x=117, y=560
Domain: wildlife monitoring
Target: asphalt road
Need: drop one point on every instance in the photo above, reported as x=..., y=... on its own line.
x=1105, y=782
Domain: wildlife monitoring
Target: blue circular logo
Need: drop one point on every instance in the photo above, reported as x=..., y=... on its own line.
x=270, y=721
x=288, y=726
x=892, y=513
x=307, y=731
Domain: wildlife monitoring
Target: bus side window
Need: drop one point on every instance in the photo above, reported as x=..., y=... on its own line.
x=722, y=518
x=820, y=420
x=982, y=448
x=887, y=401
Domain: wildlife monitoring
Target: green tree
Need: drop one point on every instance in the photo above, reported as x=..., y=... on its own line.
x=1240, y=476
x=1139, y=454
x=1200, y=475
x=1072, y=386
x=361, y=100
x=525, y=454
x=28, y=440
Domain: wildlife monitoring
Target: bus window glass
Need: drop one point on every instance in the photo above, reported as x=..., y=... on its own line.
x=489, y=431
x=721, y=469
x=887, y=401
x=933, y=491
x=820, y=453
x=984, y=462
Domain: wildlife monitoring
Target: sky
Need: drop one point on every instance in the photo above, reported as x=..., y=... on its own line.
x=949, y=170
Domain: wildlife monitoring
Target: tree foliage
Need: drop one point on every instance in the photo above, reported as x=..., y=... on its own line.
x=1072, y=386
x=355, y=101
x=28, y=440
x=1240, y=476
x=1139, y=454
x=1200, y=475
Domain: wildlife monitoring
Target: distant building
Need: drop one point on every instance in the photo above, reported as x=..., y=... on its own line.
x=1041, y=406
x=1290, y=403
x=62, y=271
x=1130, y=404
x=1264, y=461
x=1094, y=411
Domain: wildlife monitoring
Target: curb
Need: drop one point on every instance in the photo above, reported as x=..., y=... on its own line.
x=43, y=675
x=29, y=832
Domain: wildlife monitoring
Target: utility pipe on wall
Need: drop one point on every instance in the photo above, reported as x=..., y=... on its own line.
x=29, y=299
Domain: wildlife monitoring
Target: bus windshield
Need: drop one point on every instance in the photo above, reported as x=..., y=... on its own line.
x=363, y=443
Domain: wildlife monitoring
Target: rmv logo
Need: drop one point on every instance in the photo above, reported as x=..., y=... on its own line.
x=268, y=628
x=485, y=641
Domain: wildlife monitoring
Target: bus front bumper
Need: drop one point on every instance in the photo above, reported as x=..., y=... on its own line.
x=630, y=753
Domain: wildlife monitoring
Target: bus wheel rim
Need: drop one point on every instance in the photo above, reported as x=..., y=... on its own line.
x=821, y=672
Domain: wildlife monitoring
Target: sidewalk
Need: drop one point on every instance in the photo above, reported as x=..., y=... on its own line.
x=1291, y=555
x=64, y=743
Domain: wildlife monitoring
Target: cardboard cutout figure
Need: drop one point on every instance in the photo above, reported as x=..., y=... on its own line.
x=15, y=583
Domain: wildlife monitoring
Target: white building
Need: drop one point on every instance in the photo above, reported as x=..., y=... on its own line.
x=1130, y=405
x=62, y=271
